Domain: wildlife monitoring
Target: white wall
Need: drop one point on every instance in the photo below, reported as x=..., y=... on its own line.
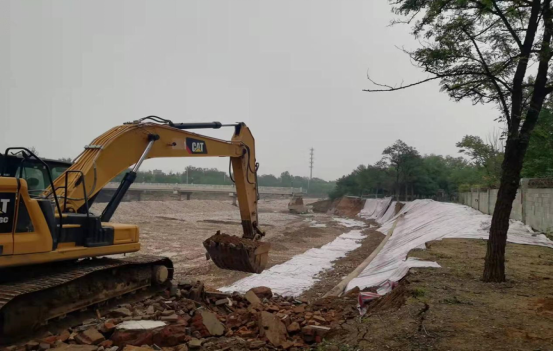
x=533, y=206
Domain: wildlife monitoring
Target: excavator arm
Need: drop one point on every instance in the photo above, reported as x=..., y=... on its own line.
x=130, y=144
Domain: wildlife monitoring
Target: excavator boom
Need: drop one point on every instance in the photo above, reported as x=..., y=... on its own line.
x=130, y=144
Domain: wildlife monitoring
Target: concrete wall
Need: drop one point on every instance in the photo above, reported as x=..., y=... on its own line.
x=539, y=208
x=533, y=206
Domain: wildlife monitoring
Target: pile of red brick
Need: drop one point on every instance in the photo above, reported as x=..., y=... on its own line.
x=188, y=318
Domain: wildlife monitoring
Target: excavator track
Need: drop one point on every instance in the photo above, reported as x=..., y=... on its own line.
x=31, y=296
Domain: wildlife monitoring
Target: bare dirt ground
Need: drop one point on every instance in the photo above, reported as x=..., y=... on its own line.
x=450, y=308
x=176, y=229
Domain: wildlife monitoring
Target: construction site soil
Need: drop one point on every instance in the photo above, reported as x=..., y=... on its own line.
x=446, y=308
x=176, y=229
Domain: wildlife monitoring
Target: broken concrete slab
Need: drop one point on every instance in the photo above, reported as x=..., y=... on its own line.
x=89, y=337
x=207, y=323
x=263, y=292
x=140, y=325
x=120, y=313
x=253, y=299
x=293, y=327
x=195, y=344
x=172, y=317
x=272, y=328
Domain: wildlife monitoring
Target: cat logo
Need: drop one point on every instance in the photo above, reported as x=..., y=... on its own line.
x=4, y=211
x=4, y=206
x=196, y=146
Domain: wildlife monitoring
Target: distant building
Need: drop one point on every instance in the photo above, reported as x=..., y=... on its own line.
x=158, y=172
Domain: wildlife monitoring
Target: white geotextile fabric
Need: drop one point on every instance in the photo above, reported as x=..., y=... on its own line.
x=298, y=274
x=424, y=221
x=390, y=213
x=349, y=222
x=375, y=208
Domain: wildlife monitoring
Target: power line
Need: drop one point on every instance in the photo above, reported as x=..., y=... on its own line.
x=311, y=157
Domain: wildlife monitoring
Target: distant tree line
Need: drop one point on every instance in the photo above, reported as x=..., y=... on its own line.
x=213, y=176
x=403, y=171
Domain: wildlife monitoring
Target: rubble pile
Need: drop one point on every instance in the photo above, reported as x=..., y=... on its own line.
x=186, y=317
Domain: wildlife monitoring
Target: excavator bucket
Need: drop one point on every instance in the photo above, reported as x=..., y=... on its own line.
x=239, y=254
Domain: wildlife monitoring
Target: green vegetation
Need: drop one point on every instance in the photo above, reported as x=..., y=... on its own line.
x=539, y=156
x=212, y=176
x=403, y=171
x=418, y=292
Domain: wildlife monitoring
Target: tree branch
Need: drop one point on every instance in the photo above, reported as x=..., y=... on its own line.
x=507, y=24
x=540, y=91
x=504, y=105
x=518, y=79
x=392, y=89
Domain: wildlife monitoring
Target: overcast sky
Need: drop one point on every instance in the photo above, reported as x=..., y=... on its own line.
x=292, y=70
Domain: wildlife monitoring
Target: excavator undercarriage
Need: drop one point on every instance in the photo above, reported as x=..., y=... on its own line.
x=32, y=296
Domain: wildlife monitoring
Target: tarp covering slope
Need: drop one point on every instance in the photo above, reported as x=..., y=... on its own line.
x=424, y=221
x=389, y=214
x=375, y=208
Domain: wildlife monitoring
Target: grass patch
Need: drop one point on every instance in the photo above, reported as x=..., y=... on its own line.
x=418, y=292
x=453, y=300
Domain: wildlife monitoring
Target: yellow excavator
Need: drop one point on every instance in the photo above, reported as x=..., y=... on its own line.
x=53, y=248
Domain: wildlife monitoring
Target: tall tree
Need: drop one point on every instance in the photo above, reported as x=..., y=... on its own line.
x=487, y=156
x=400, y=156
x=488, y=51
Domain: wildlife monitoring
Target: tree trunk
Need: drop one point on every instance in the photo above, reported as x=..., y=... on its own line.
x=494, y=268
x=397, y=185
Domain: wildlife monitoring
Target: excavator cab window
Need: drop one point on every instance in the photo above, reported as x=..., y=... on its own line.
x=32, y=170
x=35, y=177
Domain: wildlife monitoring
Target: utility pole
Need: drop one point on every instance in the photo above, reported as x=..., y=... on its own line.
x=310, y=168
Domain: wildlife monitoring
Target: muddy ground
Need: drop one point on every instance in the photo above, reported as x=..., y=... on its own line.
x=176, y=229
x=450, y=308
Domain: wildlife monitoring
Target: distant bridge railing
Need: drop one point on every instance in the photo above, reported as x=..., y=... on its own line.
x=201, y=188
